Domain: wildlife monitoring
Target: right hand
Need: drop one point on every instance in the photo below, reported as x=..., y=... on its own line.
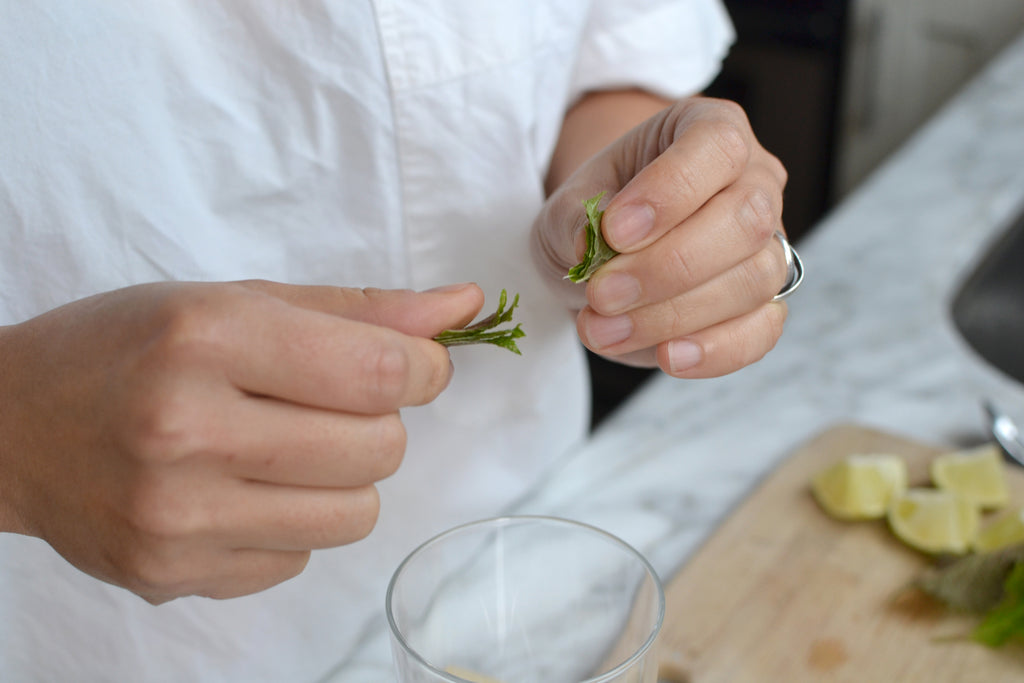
x=183, y=438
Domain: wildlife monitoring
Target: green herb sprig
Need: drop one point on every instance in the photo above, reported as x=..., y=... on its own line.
x=597, y=250
x=484, y=332
x=1006, y=619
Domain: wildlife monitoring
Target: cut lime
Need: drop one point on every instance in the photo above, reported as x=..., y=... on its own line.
x=1001, y=532
x=860, y=486
x=934, y=520
x=976, y=474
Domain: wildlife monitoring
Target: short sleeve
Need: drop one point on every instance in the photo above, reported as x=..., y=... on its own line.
x=672, y=48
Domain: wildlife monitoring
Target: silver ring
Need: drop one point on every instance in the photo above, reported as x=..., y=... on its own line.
x=794, y=268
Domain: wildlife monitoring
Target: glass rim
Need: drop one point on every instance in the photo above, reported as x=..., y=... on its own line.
x=505, y=520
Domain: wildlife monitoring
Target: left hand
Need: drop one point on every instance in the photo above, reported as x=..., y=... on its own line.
x=695, y=201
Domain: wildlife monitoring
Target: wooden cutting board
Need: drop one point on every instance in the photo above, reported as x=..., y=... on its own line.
x=782, y=592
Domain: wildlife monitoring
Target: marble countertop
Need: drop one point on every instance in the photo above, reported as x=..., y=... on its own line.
x=869, y=339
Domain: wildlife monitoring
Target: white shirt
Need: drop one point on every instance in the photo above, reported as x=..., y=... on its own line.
x=351, y=142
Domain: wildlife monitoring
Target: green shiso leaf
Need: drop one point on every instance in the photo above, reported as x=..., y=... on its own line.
x=597, y=251
x=484, y=332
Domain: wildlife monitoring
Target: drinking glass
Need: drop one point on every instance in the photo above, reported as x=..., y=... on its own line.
x=525, y=600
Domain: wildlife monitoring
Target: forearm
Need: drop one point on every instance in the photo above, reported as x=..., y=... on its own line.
x=594, y=122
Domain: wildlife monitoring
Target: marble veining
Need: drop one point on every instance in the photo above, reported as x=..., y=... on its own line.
x=869, y=339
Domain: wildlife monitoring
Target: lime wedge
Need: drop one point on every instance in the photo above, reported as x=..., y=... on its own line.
x=976, y=474
x=934, y=520
x=860, y=486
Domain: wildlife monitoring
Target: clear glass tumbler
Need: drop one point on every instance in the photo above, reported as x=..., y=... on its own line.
x=525, y=600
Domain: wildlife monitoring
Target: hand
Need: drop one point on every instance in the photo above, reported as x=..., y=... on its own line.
x=694, y=204
x=181, y=439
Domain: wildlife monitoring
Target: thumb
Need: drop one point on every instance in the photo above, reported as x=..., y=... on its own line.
x=421, y=314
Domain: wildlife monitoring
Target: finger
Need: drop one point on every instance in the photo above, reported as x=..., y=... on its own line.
x=711, y=144
x=269, y=517
x=246, y=571
x=222, y=574
x=282, y=443
x=736, y=292
x=726, y=347
x=421, y=314
x=736, y=224
x=222, y=512
x=318, y=359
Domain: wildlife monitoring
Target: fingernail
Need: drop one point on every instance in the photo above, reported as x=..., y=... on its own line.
x=445, y=289
x=616, y=292
x=683, y=355
x=630, y=224
x=603, y=332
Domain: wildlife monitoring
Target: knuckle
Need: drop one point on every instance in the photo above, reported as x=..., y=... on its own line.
x=257, y=284
x=283, y=567
x=686, y=178
x=183, y=341
x=732, y=110
x=440, y=375
x=158, y=525
x=680, y=263
x=758, y=276
x=162, y=426
x=391, y=439
x=155, y=600
x=776, y=323
x=764, y=267
x=756, y=215
x=738, y=351
x=364, y=517
x=728, y=136
x=362, y=299
x=748, y=348
x=292, y=564
x=158, y=516
x=777, y=169
x=187, y=321
x=682, y=311
x=356, y=296
x=156, y=574
x=286, y=566
x=389, y=366
x=268, y=569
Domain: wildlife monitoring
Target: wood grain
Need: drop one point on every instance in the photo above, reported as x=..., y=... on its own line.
x=782, y=592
